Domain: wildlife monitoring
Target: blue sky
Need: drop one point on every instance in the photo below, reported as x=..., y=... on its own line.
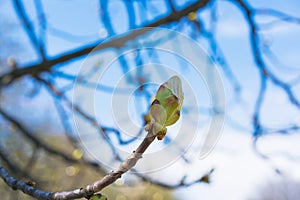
x=80, y=19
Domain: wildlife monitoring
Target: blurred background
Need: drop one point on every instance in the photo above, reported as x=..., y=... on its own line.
x=77, y=78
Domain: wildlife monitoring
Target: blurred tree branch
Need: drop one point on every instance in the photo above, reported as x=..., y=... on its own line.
x=173, y=18
x=47, y=64
x=97, y=186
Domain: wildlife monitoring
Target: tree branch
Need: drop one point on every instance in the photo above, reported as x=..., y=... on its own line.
x=119, y=42
x=38, y=45
x=43, y=145
x=265, y=73
x=112, y=176
x=97, y=186
x=24, y=187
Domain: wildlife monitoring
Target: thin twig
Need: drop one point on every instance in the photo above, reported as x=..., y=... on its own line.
x=97, y=186
x=28, y=27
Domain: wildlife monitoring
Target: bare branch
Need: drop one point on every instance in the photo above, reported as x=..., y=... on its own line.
x=12, y=166
x=42, y=22
x=45, y=66
x=183, y=183
x=88, y=190
x=28, y=28
x=24, y=187
x=41, y=144
x=265, y=73
x=111, y=177
x=104, y=130
x=91, y=119
x=83, y=80
x=280, y=17
x=171, y=4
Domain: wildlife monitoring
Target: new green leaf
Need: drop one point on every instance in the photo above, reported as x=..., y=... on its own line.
x=98, y=197
x=165, y=108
